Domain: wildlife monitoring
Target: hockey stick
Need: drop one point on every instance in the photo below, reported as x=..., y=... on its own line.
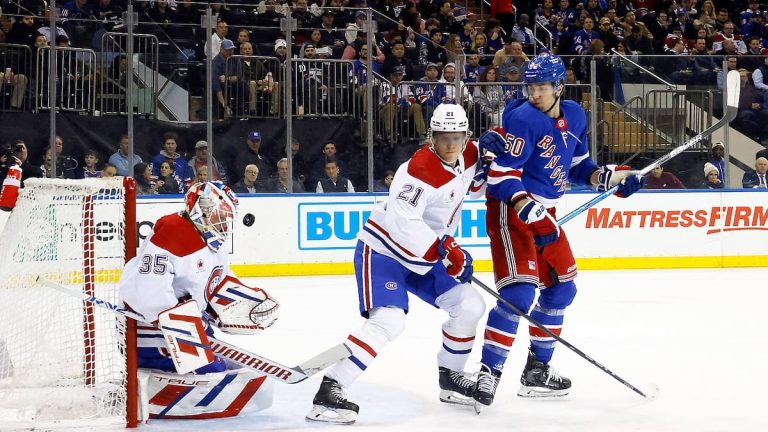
x=651, y=390
x=270, y=368
x=733, y=88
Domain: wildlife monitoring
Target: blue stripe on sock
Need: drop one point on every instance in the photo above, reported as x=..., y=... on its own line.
x=452, y=351
x=357, y=362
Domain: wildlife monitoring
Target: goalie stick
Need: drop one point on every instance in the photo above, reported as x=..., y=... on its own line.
x=270, y=368
x=733, y=89
x=651, y=390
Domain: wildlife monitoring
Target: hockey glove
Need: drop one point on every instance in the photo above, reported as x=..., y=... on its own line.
x=460, y=261
x=492, y=143
x=628, y=180
x=543, y=226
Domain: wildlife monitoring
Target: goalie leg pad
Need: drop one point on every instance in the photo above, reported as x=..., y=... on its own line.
x=185, y=337
x=192, y=396
x=240, y=309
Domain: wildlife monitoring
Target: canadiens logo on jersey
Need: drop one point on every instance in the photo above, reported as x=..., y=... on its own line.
x=391, y=286
x=213, y=280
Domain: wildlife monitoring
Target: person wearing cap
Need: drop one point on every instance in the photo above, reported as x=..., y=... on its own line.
x=428, y=91
x=310, y=87
x=512, y=84
x=199, y=163
x=607, y=35
x=511, y=55
x=330, y=35
x=352, y=30
x=718, y=159
x=252, y=155
x=227, y=77
x=397, y=98
x=711, y=177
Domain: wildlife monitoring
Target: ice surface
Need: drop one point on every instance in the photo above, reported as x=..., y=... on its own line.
x=698, y=334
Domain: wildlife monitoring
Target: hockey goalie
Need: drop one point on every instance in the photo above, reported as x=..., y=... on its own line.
x=180, y=282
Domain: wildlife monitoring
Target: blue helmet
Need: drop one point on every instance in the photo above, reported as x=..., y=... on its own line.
x=545, y=68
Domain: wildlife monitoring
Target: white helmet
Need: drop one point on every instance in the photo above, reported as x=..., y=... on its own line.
x=449, y=118
x=212, y=207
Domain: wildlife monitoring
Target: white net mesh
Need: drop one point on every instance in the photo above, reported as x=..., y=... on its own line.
x=59, y=358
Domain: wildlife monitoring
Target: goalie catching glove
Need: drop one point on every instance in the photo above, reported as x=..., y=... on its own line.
x=458, y=261
x=543, y=226
x=239, y=309
x=629, y=181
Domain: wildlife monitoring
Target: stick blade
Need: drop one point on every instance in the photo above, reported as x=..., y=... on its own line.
x=324, y=359
x=733, y=87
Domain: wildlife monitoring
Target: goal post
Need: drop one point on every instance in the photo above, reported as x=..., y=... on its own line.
x=62, y=360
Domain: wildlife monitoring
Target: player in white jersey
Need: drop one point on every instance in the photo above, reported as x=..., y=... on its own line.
x=402, y=248
x=180, y=282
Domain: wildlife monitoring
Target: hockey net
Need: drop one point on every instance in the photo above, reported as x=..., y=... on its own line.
x=62, y=359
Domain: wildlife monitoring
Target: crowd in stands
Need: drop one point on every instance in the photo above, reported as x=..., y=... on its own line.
x=419, y=49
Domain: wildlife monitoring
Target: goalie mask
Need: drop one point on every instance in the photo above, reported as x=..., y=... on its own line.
x=212, y=207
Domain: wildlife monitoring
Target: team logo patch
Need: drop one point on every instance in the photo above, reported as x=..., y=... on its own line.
x=532, y=264
x=200, y=265
x=452, y=196
x=217, y=274
x=391, y=286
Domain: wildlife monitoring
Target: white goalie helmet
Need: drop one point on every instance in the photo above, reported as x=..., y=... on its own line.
x=212, y=207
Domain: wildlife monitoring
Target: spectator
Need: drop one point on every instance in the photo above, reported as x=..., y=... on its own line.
x=120, y=158
x=305, y=20
x=109, y=170
x=521, y=33
x=66, y=165
x=760, y=76
x=329, y=34
x=472, y=69
x=248, y=183
x=428, y=92
x=23, y=31
x=310, y=83
x=201, y=176
x=109, y=15
x=480, y=47
x=14, y=78
x=756, y=178
x=753, y=58
x=489, y=99
x=707, y=17
x=329, y=152
x=268, y=23
x=28, y=170
x=711, y=177
x=658, y=179
x=333, y=181
x=77, y=22
x=728, y=33
x=511, y=55
x=280, y=183
x=217, y=38
x=142, y=173
x=493, y=34
x=384, y=184
x=261, y=85
x=513, y=87
x=606, y=34
x=201, y=160
x=749, y=120
x=704, y=67
x=432, y=51
x=398, y=100
x=180, y=166
x=90, y=165
x=168, y=182
x=397, y=59
x=252, y=155
x=243, y=37
x=223, y=75
x=300, y=167
x=583, y=38
x=718, y=159
x=449, y=96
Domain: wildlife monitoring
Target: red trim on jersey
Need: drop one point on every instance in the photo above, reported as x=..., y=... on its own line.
x=383, y=231
x=471, y=154
x=512, y=172
x=177, y=235
x=458, y=339
x=367, y=348
x=537, y=332
x=427, y=167
x=499, y=338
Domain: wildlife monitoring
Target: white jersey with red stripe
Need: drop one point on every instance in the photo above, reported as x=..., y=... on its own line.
x=424, y=204
x=172, y=262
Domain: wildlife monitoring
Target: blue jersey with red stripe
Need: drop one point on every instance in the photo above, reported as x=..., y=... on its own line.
x=542, y=152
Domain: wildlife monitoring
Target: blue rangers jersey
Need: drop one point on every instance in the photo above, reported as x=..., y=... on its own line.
x=542, y=152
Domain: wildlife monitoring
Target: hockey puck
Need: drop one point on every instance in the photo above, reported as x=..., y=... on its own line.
x=249, y=219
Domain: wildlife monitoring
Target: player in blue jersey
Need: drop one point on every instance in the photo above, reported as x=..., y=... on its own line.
x=406, y=246
x=542, y=143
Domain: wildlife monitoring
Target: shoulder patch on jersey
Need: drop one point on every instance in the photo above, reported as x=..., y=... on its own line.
x=425, y=166
x=177, y=235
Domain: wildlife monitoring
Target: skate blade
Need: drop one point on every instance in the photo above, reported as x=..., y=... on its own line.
x=321, y=414
x=454, y=398
x=478, y=407
x=541, y=392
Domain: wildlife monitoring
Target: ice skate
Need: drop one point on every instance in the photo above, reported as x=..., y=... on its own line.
x=330, y=405
x=540, y=380
x=487, y=382
x=455, y=387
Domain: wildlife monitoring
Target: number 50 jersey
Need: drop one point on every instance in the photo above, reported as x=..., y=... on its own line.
x=424, y=203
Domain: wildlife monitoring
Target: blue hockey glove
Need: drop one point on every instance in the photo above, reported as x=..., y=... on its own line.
x=543, y=226
x=492, y=143
x=623, y=175
x=460, y=261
